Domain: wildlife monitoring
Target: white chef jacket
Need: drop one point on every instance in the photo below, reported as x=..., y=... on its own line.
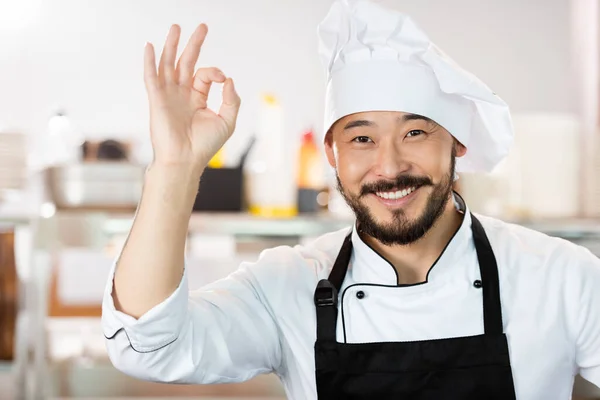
x=261, y=319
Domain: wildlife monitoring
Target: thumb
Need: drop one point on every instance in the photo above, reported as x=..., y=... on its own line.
x=230, y=105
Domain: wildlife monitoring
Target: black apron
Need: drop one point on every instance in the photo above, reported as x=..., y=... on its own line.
x=473, y=367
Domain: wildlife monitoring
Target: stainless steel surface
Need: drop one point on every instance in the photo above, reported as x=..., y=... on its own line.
x=98, y=184
x=242, y=224
x=571, y=228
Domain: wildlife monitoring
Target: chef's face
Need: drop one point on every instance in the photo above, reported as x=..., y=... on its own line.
x=395, y=170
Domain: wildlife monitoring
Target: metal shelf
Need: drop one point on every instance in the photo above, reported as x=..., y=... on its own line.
x=14, y=220
x=248, y=225
x=572, y=228
x=243, y=224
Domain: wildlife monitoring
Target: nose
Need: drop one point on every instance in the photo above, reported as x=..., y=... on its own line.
x=390, y=161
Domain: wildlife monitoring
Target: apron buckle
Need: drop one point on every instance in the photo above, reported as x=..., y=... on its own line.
x=326, y=294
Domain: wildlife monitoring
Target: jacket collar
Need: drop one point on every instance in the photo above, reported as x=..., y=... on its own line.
x=367, y=266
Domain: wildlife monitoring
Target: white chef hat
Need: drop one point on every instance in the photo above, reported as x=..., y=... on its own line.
x=379, y=60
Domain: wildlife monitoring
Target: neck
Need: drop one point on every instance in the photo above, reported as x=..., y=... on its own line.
x=413, y=261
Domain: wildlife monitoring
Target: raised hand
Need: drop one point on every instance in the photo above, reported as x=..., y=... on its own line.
x=184, y=131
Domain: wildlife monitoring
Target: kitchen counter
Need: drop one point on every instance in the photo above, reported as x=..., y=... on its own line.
x=243, y=224
x=308, y=224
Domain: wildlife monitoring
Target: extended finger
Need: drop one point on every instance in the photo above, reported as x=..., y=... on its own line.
x=166, y=69
x=150, y=76
x=204, y=78
x=189, y=58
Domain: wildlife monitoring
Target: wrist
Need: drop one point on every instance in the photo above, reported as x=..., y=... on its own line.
x=174, y=185
x=174, y=174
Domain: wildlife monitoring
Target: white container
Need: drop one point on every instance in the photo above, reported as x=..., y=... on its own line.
x=487, y=194
x=544, y=173
x=269, y=178
x=540, y=178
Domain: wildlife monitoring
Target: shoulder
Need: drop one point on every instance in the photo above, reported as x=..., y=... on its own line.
x=294, y=265
x=523, y=243
x=529, y=258
x=284, y=278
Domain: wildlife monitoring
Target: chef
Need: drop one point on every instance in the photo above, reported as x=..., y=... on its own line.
x=418, y=299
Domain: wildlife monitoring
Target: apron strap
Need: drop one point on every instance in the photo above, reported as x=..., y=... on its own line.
x=340, y=267
x=327, y=292
x=326, y=302
x=492, y=309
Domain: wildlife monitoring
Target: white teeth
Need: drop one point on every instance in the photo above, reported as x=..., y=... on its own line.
x=396, y=195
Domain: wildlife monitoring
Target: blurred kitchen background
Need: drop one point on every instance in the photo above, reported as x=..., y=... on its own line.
x=74, y=143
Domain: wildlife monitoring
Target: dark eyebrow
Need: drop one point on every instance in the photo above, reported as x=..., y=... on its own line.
x=414, y=117
x=359, y=122
x=404, y=118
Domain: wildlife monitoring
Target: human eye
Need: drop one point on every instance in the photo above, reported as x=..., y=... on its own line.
x=415, y=132
x=362, y=139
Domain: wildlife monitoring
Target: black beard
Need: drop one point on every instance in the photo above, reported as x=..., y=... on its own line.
x=401, y=231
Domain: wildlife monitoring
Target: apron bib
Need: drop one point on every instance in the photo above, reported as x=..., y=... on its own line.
x=465, y=368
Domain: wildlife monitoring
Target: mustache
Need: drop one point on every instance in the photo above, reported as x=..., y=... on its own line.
x=401, y=182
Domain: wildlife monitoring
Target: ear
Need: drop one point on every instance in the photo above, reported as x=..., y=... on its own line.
x=460, y=149
x=328, y=142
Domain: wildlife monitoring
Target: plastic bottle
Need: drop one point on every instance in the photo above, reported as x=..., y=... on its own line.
x=218, y=160
x=269, y=171
x=311, y=175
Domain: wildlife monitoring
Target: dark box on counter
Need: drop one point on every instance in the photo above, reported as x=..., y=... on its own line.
x=221, y=190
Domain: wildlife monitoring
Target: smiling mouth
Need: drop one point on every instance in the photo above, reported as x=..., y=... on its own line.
x=395, y=195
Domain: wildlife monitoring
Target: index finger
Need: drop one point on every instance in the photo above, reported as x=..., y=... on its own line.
x=150, y=75
x=187, y=62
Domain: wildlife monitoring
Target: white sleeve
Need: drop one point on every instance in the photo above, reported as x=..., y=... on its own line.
x=220, y=333
x=586, y=305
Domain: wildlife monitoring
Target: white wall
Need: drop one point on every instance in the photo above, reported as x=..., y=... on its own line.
x=86, y=56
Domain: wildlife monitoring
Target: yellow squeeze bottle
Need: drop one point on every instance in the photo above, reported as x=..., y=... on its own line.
x=218, y=160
